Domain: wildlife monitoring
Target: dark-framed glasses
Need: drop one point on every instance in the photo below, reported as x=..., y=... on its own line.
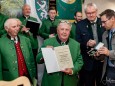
x=103, y=22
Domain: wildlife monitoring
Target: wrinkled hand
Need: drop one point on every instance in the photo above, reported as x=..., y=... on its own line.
x=68, y=71
x=51, y=35
x=91, y=43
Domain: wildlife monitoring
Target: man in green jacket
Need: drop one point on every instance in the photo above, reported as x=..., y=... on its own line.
x=16, y=57
x=67, y=77
x=48, y=28
x=26, y=10
x=3, y=18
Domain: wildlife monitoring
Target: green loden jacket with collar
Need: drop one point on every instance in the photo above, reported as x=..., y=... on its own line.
x=8, y=58
x=55, y=79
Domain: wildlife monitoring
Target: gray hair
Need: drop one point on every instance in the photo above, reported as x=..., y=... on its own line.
x=65, y=21
x=8, y=22
x=25, y=6
x=89, y=5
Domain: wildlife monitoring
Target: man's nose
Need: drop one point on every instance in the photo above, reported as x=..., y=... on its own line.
x=103, y=24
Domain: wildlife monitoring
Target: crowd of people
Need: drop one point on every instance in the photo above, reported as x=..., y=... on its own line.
x=19, y=54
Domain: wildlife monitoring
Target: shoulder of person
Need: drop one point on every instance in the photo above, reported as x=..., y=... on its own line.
x=3, y=38
x=50, y=40
x=74, y=42
x=105, y=33
x=45, y=21
x=33, y=18
x=58, y=20
x=21, y=36
x=83, y=22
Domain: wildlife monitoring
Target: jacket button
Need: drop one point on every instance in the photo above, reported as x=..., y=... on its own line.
x=14, y=69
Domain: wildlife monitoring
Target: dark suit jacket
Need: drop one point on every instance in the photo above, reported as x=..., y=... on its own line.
x=84, y=34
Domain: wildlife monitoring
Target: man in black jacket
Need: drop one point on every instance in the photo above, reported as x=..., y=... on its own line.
x=89, y=34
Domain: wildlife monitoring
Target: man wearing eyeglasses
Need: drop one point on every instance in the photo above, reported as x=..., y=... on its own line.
x=68, y=76
x=108, y=51
x=89, y=32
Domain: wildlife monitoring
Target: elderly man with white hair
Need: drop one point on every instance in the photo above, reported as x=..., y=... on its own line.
x=16, y=57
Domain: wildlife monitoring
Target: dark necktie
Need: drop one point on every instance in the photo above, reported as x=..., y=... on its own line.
x=111, y=62
x=110, y=39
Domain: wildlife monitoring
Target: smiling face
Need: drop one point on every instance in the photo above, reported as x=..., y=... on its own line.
x=78, y=16
x=63, y=31
x=26, y=10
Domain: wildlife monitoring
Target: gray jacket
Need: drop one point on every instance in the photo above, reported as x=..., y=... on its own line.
x=105, y=38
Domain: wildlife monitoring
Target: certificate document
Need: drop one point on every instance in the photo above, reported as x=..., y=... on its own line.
x=57, y=59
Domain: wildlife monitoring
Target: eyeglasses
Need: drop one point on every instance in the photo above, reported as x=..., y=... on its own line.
x=103, y=22
x=89, y=13
x=65, y=21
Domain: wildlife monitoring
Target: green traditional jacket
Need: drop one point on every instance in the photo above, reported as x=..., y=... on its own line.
x=33, y=40
x=3, y=18
x=73, y=31
x=55, y=79
x=44, y=31
x=8, y=58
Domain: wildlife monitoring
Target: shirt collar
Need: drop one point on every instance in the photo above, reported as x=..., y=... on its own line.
x=15, y=39
x=26, y=17
x=60, y=42
x=51, y=20
x=112, y=30
x=94, y=21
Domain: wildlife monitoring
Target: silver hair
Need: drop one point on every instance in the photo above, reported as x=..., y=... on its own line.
x=25, y=6
x=65, y=21
x=89, y=5
x=8, y=22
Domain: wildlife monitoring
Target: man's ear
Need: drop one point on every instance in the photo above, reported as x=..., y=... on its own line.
x=113, y=18
x=6, y=28
x=74, y=17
